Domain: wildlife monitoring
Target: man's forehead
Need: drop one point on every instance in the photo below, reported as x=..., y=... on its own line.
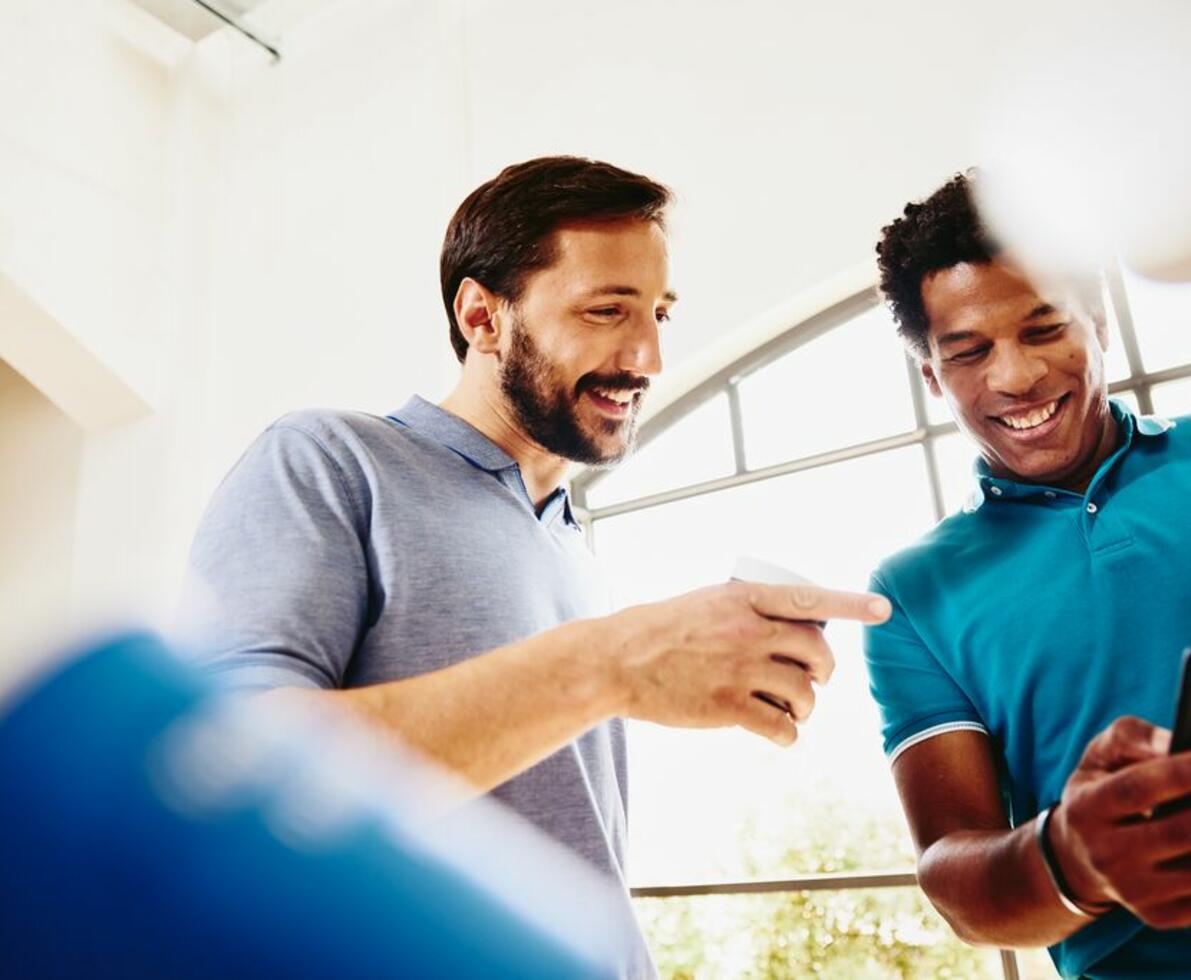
x=970, y=295
x=627, y=257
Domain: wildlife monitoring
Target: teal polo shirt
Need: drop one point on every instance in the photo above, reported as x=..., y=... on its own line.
x=1038, y=616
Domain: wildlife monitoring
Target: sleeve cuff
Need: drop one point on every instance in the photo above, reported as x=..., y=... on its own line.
x=943, y=728
x=261, y=677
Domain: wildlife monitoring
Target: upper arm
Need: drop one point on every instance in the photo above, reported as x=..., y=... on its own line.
x=937, y=742
x=277, y=579
x=949, y=783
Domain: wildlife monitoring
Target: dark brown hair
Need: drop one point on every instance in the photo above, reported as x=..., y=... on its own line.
x=504, y=230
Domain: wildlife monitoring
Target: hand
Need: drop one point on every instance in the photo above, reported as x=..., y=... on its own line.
x=698, y=660
x=1110, y=846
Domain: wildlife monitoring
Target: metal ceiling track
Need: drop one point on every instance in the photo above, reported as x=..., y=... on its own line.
x=237, y=26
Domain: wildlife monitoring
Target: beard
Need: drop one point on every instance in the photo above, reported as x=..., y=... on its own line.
x=547, y=409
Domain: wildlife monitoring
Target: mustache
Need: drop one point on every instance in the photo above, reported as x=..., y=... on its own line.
x=621, y=381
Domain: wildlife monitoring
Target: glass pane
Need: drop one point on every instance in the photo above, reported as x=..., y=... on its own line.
x=846, y=387
x=1173, y=398
x=954, y=455
x=1162, y=316
x=1130, y=399
x=713, y=803
x=858, y=933
x=695, y=448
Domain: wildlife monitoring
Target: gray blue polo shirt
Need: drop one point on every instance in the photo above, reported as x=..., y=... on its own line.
x=1038, y=616
x=345, y=549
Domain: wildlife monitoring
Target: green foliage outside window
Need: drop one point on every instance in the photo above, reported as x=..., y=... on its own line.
x=854, y=934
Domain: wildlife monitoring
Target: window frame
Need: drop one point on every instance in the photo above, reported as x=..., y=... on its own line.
x=726, y=379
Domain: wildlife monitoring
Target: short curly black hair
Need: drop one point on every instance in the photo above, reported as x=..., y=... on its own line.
x=935, y=234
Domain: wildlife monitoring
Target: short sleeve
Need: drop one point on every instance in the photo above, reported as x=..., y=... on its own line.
x=917, y=697
x=277, y=583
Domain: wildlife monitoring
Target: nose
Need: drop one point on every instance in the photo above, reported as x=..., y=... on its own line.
x=641, y=352
x=1015, y=370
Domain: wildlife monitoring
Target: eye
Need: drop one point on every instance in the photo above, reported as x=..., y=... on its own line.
x=966, y=356
x=1046, y=333
x=605, y=311
x=663, y=316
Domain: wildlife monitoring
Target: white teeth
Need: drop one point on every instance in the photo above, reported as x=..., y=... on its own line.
x=620, y=397
x=1033, y=419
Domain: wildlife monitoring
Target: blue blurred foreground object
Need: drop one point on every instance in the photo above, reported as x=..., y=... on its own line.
x=150, y=827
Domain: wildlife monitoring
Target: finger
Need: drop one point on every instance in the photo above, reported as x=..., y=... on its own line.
x=1163, y=840
x=788, y=683
x=1142, y=786
x=1126, y=741
x=1175, y=914
x=769, y=722
x=813, y=602
x=800, y=646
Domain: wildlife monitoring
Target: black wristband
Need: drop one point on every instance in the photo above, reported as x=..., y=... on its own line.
x=1051, y=862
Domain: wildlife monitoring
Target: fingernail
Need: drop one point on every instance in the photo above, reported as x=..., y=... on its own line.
x=880, y=606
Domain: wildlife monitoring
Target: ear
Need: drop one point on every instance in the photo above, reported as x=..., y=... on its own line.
x=1100, y=323
x=932, y=383
x=477, y=313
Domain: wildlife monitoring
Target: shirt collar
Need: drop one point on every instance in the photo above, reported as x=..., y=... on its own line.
x=451, y=431
x=467, y=441
x=989, y=487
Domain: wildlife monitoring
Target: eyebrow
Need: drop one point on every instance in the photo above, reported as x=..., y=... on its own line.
x=669, y=295
x=1042, y=309
x=955, y=337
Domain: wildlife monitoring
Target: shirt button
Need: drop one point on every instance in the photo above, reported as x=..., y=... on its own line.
x=1092, y=508
x=995, y=491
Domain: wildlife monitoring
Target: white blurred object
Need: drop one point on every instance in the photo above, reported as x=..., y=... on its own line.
x=1084, y=144
x=756, y=570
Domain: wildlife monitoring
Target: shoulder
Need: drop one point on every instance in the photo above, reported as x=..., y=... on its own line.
x=337, y=431
x=950, y=538
x=319, y=451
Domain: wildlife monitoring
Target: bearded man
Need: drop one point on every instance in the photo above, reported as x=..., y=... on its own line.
x=425, y=571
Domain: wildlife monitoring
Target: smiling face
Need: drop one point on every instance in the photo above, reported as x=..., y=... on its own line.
x=583, y=341
x=1024, y=377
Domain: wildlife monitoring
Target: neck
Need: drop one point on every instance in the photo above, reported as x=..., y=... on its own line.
x=1107, y=444
x=486, y=410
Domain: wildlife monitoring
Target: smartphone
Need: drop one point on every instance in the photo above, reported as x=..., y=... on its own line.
x=756, y=570
x=1180, y=734
x=1180, y=737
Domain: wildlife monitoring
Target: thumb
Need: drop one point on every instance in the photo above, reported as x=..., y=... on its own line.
x=1126, y=741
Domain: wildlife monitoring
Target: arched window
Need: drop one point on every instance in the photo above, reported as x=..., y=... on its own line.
x=818, y=448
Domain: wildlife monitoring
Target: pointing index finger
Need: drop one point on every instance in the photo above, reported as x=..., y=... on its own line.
x=815, y=603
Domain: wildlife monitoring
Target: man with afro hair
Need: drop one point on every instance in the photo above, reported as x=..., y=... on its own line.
x=1030, y=667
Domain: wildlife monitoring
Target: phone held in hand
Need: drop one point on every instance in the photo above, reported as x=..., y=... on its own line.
x=1180, y=732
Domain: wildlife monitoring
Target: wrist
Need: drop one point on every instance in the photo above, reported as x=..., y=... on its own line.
x=600, y=648
x=626, y=640
x=1077, y=885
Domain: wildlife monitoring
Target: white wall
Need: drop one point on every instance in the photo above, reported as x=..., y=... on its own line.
x=40, y=459
x=233, y=238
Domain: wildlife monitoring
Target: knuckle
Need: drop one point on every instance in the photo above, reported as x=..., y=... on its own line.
x=726, y=700
x=1128, y=791
x=804, y=596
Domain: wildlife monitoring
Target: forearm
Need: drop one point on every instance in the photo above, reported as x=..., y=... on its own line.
x=993, y=889
x=493, y=716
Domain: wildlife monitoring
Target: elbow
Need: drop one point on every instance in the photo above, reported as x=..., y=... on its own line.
x=953, y=909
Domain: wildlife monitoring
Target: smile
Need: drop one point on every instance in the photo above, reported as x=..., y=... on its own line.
x=1034, y=422
x=617, y=402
